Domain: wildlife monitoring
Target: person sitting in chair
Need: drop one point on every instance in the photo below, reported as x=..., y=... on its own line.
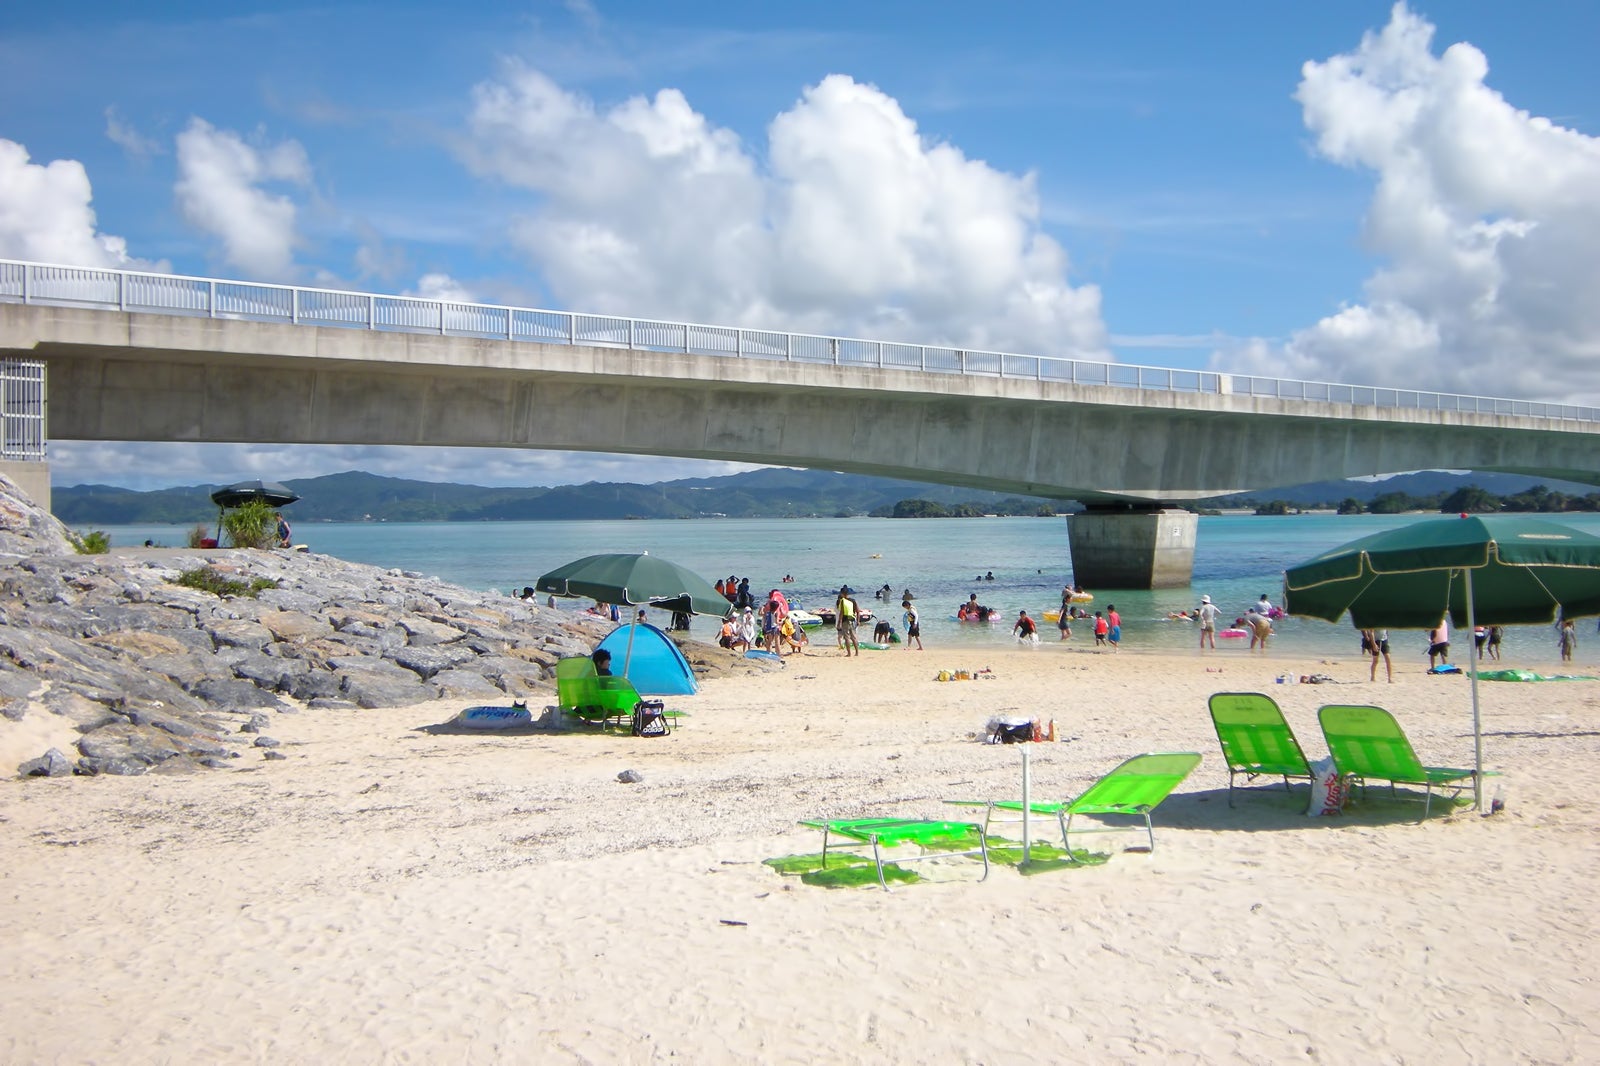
x=602, y=662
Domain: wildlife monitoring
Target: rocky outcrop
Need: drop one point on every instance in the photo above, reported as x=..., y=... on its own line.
x=154, y=675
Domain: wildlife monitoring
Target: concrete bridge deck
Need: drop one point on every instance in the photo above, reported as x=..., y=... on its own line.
x=259, y=369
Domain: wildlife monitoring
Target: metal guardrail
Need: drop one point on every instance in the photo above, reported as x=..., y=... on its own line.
x=127, y=290
x=22, y=410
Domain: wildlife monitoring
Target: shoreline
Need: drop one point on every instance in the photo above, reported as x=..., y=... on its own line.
x=399, y=888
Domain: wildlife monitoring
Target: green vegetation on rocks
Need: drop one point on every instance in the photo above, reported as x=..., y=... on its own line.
x=97, y=542
x=208, y=579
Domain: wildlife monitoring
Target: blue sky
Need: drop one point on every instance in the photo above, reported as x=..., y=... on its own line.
x=1361, y=192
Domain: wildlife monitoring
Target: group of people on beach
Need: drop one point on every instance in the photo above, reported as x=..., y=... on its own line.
x=1256, y=622
x=776, y=630
x=848, y=616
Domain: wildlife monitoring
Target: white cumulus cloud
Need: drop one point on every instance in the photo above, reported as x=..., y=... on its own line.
x=221, y=191
x=856, y=224
x=45, y=214
x=1487, y=219
x=442, y=287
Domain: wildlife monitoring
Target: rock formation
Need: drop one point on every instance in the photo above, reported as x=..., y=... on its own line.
x=152, y=673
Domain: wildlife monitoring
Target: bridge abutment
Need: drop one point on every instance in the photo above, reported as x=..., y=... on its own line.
x=1132, y=548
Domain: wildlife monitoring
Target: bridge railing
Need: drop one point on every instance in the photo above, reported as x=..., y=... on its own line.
x=128, y=290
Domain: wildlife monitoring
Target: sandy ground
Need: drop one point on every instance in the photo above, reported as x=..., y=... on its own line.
x=399, y=892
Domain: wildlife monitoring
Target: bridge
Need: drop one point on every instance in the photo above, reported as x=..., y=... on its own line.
x=157, y=357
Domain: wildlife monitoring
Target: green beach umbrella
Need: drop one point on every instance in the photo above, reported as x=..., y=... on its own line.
x=634, y=579
x=1478, y=569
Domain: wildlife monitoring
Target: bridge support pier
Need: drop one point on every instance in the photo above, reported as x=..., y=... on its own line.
x=1132, y=547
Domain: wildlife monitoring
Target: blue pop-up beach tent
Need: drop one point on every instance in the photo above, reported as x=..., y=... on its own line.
x=654, y=664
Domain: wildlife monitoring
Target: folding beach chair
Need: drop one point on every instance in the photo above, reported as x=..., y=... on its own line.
x=1135, y=788
x=573, y=682
x=936, y=839
x=583, y=694
x=1366, y=742
x=1255, y=739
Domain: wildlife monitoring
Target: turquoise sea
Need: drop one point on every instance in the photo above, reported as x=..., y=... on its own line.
x=1237, y=558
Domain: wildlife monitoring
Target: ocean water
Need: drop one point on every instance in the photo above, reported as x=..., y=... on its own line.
x=942, y=561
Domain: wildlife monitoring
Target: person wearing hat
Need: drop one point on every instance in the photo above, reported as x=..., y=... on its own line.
x=845, y=612
x=1207, y=613
x=747, y=629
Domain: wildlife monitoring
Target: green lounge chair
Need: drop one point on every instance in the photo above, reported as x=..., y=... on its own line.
x=583, y=694
x=1136, y=787
x=878, y=833
x=573, y=687
x=1255, y=739
x=1366, y=742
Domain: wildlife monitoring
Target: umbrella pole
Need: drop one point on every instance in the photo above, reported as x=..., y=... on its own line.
x=627, y=656
x=1027, y=811
x=1477, y=723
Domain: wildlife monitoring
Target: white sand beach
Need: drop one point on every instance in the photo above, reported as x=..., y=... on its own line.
x=392, y=893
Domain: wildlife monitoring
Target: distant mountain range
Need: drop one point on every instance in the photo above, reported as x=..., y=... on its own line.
x=1421, y=483
x=772, y=493
x=355, y=497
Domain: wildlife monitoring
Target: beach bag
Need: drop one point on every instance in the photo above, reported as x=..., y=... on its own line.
x=1327, y=789
x=1019, y=733
x=650, y=719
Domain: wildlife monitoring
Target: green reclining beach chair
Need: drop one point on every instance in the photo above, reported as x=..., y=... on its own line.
x=1255, y=739
x=1366, y=742
x=1136, y=788
x=892, y=832
x=582, y=693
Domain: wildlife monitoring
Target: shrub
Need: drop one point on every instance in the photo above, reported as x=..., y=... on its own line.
x=96, y=543
x=208, y=579
x=251, y=525
x=199, y=532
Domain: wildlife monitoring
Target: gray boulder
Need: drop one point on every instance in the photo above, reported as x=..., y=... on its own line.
x=230, y=694
x=51, y=764
x=464, y=685
x=377, y=688
x=430, y=660
x=26, y=528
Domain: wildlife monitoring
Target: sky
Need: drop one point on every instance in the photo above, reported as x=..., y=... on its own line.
x=1360, y=192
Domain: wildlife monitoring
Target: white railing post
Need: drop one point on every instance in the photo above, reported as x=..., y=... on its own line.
x=211, y=300
x=372, y=312
x=294, y=306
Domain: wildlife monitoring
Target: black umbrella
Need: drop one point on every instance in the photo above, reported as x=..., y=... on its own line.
x=244, y=491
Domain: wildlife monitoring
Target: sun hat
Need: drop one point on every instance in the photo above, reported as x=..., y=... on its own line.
x=1205, y=599
x=844, y=590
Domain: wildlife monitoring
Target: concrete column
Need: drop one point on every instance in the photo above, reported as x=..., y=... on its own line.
x=1144, y=549
x=32, y=477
